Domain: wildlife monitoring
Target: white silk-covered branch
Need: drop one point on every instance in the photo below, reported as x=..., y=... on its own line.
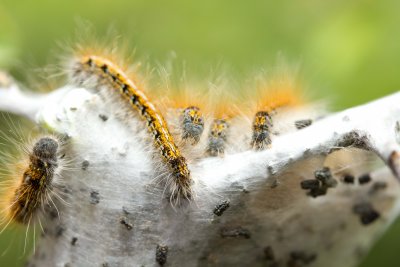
x=250, y=208
x=374, y=126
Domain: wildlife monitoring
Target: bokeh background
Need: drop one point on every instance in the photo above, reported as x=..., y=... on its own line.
x=349, y=50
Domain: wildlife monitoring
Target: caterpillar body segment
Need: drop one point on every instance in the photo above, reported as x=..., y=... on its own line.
x=110, y=73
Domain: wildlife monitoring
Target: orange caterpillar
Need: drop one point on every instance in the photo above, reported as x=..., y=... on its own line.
x=32, y=187
x=282, y=91
x=89, y=66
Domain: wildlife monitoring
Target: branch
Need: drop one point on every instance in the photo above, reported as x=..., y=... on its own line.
x=250, y=208
x=374, y=126
x=27, y=104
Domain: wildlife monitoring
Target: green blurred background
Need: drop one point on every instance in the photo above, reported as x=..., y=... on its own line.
x=349, y=50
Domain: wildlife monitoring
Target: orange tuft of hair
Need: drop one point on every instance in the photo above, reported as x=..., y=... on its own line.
x=226, y=109
x=282, y=91
x=183, y=97
x=223, y=103
x=110, y=46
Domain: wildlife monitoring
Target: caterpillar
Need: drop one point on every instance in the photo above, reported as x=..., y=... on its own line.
x=31, y=190
x=275, y=96
x=192, y=123
x=184, y=105
x=262, y=124
x=218, y=137
x=184, y=111
x=224, y=113
x=109, y=72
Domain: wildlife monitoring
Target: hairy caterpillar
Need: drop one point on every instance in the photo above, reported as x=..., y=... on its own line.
x=157, y=126
x=192, y=123
x=186, y=108
x=33, y=185
x=218, y=137
x=184, y=111
x=276, y=95
x=262, y=125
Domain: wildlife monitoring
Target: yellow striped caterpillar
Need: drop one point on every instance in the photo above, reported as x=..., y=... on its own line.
x=163, y=140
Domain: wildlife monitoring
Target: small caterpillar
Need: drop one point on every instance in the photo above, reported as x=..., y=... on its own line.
x=262, y=125
x=224, y=111
x=218, y=137
x=186, y=119
x=183, y=106
x=31, y=191
x=192, y=123
x=156, y=124
x=275, y=96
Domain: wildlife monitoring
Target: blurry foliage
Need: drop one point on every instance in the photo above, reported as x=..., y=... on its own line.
x=349, y=50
